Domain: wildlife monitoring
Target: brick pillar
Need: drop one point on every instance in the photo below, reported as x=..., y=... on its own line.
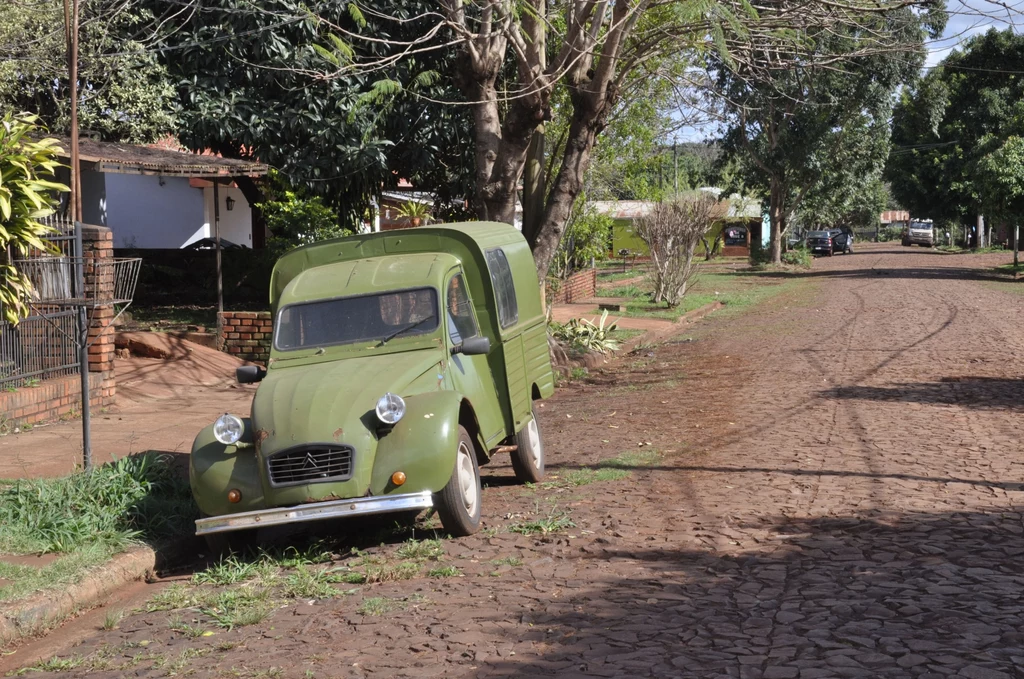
x=98, y=253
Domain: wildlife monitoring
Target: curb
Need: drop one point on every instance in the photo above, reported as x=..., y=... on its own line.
x=38, y=613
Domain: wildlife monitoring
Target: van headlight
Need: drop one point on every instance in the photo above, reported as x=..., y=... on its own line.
x=228, y=429
x=390, y=408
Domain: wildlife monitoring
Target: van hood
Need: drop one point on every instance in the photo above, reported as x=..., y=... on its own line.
x=335, y=401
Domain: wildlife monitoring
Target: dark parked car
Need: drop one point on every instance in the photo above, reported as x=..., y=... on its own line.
x=829, y=242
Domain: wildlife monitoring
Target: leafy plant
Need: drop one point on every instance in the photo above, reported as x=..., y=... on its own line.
x=412, y=209
x=583, y=335
x=797, y=257
x=27, y=168
x=295, y=217
x=552, y=523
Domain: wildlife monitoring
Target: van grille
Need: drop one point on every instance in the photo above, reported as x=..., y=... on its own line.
x=311, y=464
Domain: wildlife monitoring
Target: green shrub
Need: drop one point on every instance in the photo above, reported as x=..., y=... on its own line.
x=798, y=257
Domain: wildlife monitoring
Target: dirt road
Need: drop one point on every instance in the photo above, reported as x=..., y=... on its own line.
x=837, y=493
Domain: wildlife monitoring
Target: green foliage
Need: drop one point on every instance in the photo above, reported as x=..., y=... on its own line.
x=27, y=169
x=945, y=127
x=583, y=335
x=1000, y=180
x=798, y=257
x=816, y=130
x=344, y=137
x=412, y=209
x=297, y=218
x=131, y=498
x=124, y=93
x=585, y=239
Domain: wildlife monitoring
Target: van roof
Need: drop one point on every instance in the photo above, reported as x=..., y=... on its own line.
x=361, y=276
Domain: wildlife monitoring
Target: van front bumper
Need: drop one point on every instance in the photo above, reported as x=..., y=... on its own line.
x=314, y=511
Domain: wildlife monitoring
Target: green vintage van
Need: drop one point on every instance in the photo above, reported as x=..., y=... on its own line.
x=401, y=361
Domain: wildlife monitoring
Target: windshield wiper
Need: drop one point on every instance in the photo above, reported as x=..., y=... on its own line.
x=407, y=328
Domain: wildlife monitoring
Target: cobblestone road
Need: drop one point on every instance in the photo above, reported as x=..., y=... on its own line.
x=840, y=495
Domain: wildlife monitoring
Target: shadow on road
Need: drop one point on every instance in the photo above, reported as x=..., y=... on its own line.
x=882, y=596
x=969, y=392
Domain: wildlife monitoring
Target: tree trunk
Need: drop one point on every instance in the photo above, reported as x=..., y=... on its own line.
x=777, y=218
x=567, y=186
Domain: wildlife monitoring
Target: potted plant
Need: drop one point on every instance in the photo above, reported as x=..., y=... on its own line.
x=416, y=213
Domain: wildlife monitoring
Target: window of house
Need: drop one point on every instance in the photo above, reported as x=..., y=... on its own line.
x=504, y=289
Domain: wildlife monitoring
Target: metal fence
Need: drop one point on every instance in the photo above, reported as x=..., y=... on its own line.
x=43, y=345
x=40, y=347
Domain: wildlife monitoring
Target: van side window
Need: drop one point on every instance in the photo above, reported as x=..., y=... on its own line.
x=461, y=324
x=501, y=279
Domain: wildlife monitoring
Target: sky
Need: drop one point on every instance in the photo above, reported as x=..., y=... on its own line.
x=970, y=17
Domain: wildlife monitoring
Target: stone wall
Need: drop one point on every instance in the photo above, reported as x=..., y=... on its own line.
x=246, y=334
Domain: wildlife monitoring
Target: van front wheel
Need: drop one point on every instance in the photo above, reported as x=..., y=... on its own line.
x=528, y=457
x=458, y=503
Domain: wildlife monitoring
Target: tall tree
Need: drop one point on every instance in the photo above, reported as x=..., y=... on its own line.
x=250, y=83
x=962, y=111
x=803, y=121
x=124, y=93
x=513, y=55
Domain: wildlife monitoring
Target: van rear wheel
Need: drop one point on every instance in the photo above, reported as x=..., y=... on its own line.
x=528, y=457
x=458, y=503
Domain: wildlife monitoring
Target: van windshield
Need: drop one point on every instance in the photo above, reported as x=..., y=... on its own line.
x=920, y=225
x=366, y=318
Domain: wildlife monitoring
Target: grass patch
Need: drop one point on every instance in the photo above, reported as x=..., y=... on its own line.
x=445, y=572
x=186, y=630
x=379, y=605
x=552, y=523
x=632, y=460
x=89, y=517
x=232, y=570
x=311, y=583
x=239, y=607
x=735, y=289
x=584, y=477
x=421, y=550
x=389, y=572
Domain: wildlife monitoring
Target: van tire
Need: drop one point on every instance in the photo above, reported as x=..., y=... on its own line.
x=458, y=503
x=528, y=457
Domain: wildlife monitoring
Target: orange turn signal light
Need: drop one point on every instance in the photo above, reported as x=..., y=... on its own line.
x=398, y=478
x=234, y=495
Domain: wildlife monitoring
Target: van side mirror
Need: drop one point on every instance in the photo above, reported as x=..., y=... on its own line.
x=473, y=346
x=249, y=374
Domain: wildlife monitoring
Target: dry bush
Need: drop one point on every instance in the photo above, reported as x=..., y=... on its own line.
x=672, y=232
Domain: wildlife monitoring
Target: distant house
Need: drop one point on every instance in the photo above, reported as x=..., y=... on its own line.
x=162, y=198
x=743, y=221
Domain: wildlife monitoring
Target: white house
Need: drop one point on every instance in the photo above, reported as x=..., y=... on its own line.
x=159, y=198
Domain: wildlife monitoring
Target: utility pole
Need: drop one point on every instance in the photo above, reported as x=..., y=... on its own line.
x=675, y=163
x=220, y=275
x=979, y=237
x=71, y=36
